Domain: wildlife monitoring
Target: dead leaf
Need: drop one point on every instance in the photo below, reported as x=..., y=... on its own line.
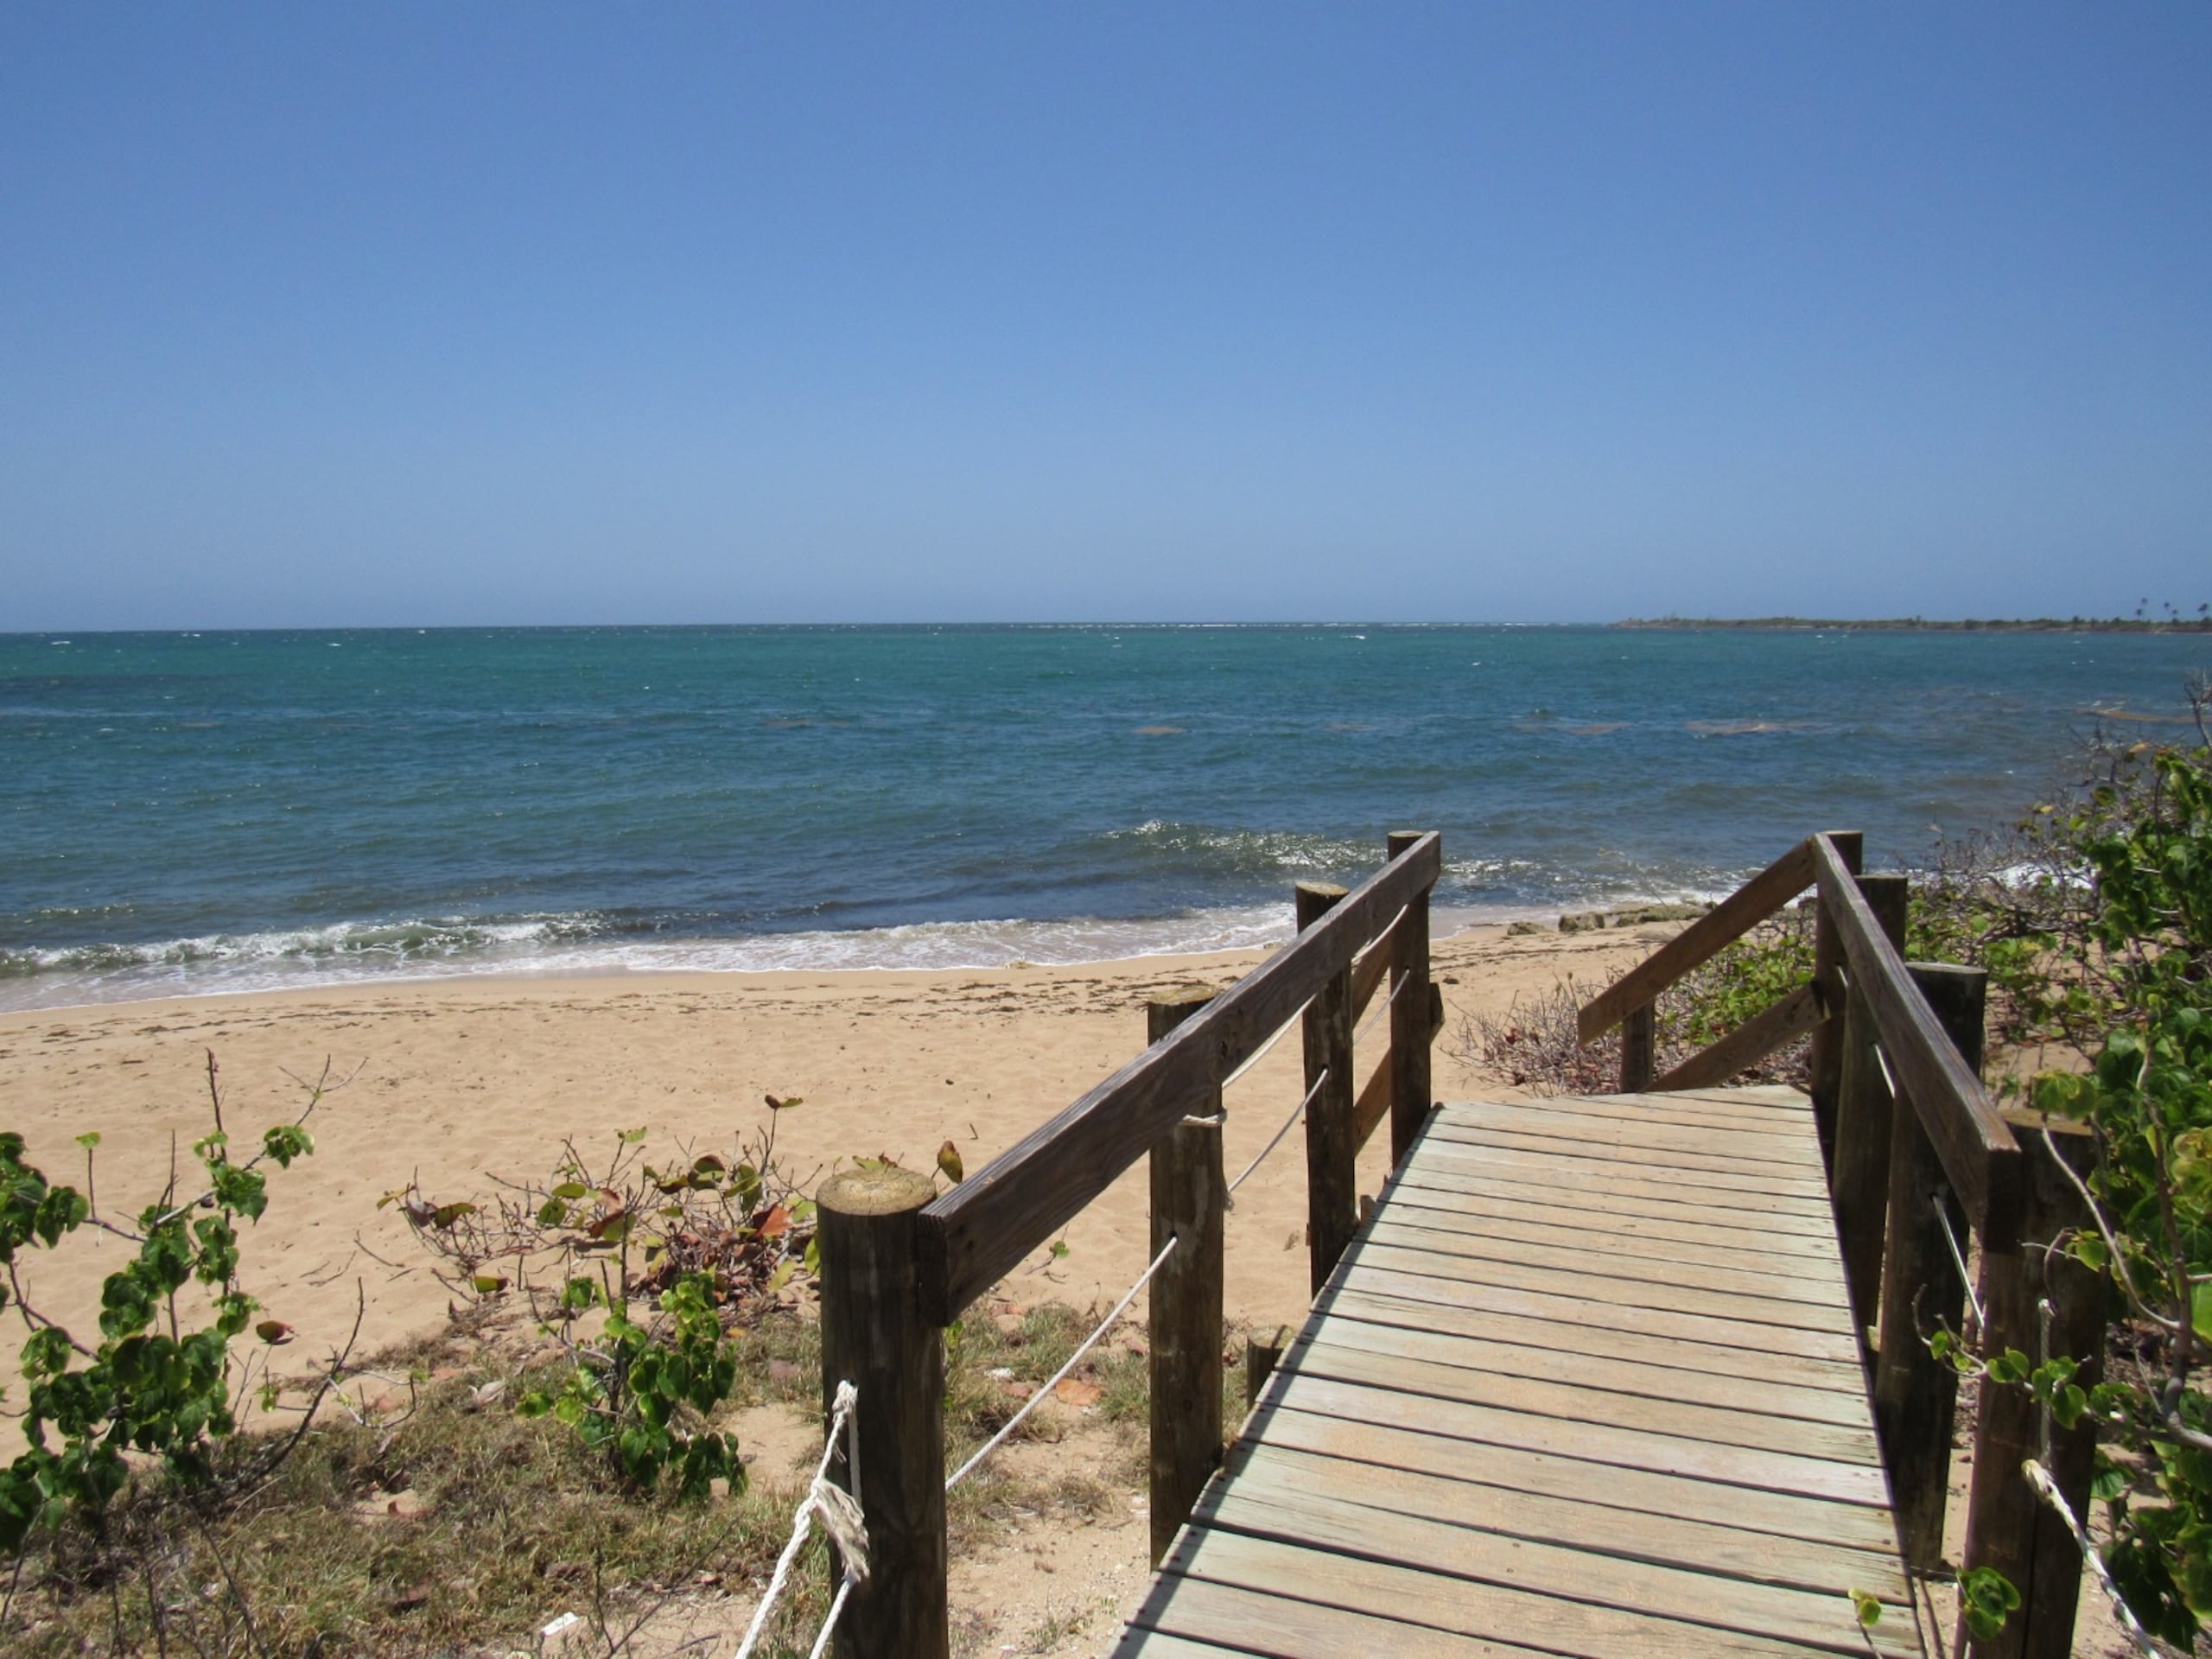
x=1074, y=1391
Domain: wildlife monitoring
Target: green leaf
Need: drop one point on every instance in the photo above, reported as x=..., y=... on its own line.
x=1868, y=1608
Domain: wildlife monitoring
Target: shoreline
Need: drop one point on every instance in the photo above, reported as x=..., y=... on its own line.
x=458, y=1083
x=932, y=947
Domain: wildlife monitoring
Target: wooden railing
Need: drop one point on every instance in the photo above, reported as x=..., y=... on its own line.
x=900, y=1262
x=1909, y=1187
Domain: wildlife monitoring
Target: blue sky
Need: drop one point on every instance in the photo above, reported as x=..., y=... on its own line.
x=412, y=315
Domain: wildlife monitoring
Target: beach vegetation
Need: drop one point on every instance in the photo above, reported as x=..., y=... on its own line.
x=636, y=1271
x=145, y=1418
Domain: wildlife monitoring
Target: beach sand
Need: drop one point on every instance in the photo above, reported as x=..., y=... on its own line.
x=455, y=1081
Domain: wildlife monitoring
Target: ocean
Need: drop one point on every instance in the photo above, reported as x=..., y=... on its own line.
x=211, y=813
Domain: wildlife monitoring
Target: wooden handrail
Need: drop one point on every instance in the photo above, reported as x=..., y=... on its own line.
x=1789, y=1016
x=1981, y=1159
x=974, y=1235
x=1719, y=927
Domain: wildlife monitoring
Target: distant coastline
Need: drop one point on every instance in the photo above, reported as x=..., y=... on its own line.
x=1925, y=625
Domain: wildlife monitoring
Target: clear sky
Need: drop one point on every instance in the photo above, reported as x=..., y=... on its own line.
x=431, y=314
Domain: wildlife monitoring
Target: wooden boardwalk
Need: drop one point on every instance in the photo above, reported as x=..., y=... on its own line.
x=1585, y=1385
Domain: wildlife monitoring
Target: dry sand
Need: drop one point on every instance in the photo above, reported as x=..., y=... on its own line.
x=455, y=1081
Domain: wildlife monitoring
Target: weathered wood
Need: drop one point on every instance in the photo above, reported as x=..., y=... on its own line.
x=1915, y=1396
x=2007, y=1526
x=1787, y=1016
x=982, y=1229
x=1698, y=1163
x=1373, y=1104
x=1331, y=1181
x=1189, y=1199
x=1639, y=1048
x=1261, y=1359
x=1411, y=1030
x=1371, y=968
x=874, y=1335
x=1825, y=1062
x=1719, y=927
x=1740, y=1146
x=1860, y=1178
x=1980, y=1157
x=1723, y=1549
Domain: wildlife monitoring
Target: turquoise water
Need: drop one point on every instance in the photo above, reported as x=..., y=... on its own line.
x=222, y=811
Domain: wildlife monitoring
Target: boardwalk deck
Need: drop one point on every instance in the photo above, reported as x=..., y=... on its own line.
x=1584, y=1384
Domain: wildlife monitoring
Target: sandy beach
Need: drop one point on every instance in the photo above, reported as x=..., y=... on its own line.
x=454, y=1082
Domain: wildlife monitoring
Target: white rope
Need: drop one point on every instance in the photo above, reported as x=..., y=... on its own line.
x=838, y=1513
x=1889, y=1078
x=821, y=1642
x=1281, y=1132
x=2047, y=1488
x=1060, y=1376
x=1958, y=1257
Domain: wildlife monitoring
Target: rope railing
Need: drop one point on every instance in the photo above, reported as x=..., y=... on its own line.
x=1298, y=1112
x=1958, y=1257
x=1060, y=1376
x=840, y=1517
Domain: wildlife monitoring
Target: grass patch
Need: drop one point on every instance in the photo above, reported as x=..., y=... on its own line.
x=446, y=1524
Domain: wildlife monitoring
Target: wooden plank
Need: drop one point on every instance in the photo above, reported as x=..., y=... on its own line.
x=1572, y=1363
x=1594, y=1442
x=1539, y=1331
x=1678, y=1205
x=1752, y=1173
x=1787, y=1017
x=1274, y=1510
x=1809, y=1238
x=1729, y=1551
x=1786, y=1143
x=1495, y=1613
x=1374, y=1103
x=1651, y=1499
x=983, y=1227
x=1719, y=927
x=1740, y=1334
x=1761, y=1129
x=1199, y=1612
x=1628, y=1175
x=1764, y=1312
x=1979, y=1153
x=1501, y=1219
x=1340, y=1361
x=1714, y=1271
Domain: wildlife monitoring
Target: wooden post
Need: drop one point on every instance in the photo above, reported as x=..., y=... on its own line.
x=1332, y=1202
x=1858, y=1180
x=1261, y=1359
x=2007, y=1526
x=1189, y=1199
x=874, y=1336
x=1410, y=1086
x=1915, y=1396
x=1639, y=1039
x=1826, y=1057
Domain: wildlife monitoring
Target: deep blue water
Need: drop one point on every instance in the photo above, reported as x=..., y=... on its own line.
x=227, y=810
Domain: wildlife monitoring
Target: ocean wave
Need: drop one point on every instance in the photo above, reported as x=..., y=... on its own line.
x=1205, y=849
x=356, y=952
